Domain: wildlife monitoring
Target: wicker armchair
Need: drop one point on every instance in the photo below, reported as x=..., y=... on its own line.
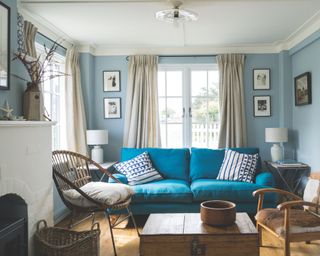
x=71, y=171
x=293, y=221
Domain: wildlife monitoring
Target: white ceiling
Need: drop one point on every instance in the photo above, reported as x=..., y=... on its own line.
x=222, y=23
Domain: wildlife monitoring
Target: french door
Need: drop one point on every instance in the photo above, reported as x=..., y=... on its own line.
x=188, y=105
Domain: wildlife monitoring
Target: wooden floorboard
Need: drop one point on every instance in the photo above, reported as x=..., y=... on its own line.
x=127, y=241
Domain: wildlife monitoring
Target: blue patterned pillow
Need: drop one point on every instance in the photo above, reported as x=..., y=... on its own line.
x=139, y=170
x=238, y=167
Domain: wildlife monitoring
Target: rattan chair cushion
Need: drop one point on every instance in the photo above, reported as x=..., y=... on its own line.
x=300, y=221
x=102, y=192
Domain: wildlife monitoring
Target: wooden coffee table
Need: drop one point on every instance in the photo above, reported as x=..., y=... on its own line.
x=184, y=234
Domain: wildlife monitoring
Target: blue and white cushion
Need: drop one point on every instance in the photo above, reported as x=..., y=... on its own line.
x=238, y=167
x=139, y=170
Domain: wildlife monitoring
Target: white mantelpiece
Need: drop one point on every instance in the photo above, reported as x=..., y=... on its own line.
x=25, y=168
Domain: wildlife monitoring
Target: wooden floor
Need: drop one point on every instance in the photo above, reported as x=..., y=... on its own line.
x=127, y=241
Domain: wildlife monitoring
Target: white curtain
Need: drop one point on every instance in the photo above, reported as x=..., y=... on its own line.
x=75, y=119
x=231, y=98
x=142, y=128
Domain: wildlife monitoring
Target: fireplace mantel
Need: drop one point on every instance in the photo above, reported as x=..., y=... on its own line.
x=26, y=170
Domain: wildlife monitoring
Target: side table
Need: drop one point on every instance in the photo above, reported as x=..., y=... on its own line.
x=97, y=175
x=290, y=177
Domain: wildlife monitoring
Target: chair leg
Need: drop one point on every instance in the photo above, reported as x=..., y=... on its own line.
x=111, y=233
x=133, y=220
x=286, y=247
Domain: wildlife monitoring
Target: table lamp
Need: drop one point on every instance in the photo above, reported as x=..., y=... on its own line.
x=276, y=136
x=96, y=138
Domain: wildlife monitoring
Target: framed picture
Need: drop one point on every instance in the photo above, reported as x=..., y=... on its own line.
x=261, y=79
x=302, y=89
x=111, y=81
x=112, y=108
x=262, y=106
x=4, y=47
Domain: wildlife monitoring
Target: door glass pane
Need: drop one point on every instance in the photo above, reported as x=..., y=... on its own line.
x=213, y=84
x=161, y=83
x=163, y=134
x=198, y=83
x=174, y=133
x=162, y=110
x=199, y=110
x=174, y=83
x=199, y=135
x=174, y=110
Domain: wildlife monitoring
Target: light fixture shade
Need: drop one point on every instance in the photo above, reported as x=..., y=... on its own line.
x=97, y=137
x=276, y=135
x=176, y=14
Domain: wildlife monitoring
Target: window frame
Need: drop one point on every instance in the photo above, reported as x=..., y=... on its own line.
x=186, y=94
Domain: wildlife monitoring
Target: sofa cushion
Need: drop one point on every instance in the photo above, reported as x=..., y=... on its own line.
x=169, y=190
x=138, y=170
x=205, y=163
x=238, y=167
x=171, y=163
x=235, y=191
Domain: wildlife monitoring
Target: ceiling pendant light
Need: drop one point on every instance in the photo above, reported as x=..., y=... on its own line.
x=176, y=14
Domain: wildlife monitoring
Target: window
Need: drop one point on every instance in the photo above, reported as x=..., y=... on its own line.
x=53, y=95
x=189, y=105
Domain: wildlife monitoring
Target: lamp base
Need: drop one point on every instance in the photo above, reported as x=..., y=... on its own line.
x=276, y=153
x=97, y=154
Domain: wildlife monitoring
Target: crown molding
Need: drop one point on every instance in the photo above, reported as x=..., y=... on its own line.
x=46, y=27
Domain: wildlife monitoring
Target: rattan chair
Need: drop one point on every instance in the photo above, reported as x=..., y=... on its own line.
x=72, y=171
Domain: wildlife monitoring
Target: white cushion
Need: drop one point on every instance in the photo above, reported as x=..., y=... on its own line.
x=106, y=193
x=311, y=193
x=238, y=166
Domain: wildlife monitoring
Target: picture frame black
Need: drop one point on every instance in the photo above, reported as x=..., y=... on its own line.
x=261, y=79
x=112, y=107
x=262, y=106
x=302, y=89
x=111, y=80
x=5, y=80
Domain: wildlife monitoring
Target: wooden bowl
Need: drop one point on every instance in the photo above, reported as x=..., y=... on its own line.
x=218, y=213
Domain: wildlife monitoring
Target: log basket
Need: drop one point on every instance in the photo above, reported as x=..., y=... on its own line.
x=53, y=241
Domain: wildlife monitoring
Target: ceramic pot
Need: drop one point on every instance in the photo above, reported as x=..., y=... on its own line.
x=33, y=103
x=218, y=212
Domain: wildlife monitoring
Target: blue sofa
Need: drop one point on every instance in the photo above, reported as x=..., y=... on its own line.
x=190, y=178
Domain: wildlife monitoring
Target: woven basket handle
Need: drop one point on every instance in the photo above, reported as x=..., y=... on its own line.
x=39, y=222
x=95, y=224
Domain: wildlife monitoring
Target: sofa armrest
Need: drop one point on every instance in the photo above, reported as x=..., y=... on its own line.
x=265, y=179
x=120, y=177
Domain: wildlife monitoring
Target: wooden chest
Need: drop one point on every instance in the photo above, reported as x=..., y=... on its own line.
x=185, y=234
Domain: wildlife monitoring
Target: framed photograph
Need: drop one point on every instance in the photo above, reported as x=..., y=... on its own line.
x=262, y=106
x=302, y=89
x=112, y=108
x=4, y=47
x=111, y=81
x=261, y=79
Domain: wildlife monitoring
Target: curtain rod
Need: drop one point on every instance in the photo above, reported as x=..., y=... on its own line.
x=182, y=56
x=52, y=41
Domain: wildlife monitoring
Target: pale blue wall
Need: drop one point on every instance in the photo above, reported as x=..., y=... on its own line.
x=14, y=95
x=93, y=94
x=306, y=122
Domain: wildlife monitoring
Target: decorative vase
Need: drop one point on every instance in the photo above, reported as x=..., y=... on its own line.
x=33, y=103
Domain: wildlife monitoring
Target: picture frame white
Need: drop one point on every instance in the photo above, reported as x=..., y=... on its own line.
x=4, y=47
x=111, y=81
x=112, y=108
x=262, y=106
x=261, y=79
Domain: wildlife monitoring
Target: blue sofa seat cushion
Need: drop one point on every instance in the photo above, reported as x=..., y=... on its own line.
x=205, y=163
x=169, y=191
x=170, y=163
x=235, y=191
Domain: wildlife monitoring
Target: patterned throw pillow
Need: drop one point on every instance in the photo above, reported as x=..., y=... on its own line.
x=238, y=167
x=139, y=170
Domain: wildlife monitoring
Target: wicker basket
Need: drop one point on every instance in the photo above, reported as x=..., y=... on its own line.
x=52, y=241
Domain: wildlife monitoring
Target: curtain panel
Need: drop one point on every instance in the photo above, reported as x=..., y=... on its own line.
x=142, y=128
x=30, y=32
x=75, y=118
x=231, y=101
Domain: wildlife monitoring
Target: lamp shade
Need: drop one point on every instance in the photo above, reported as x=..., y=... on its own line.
x=276, y=135
x=97, y=137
